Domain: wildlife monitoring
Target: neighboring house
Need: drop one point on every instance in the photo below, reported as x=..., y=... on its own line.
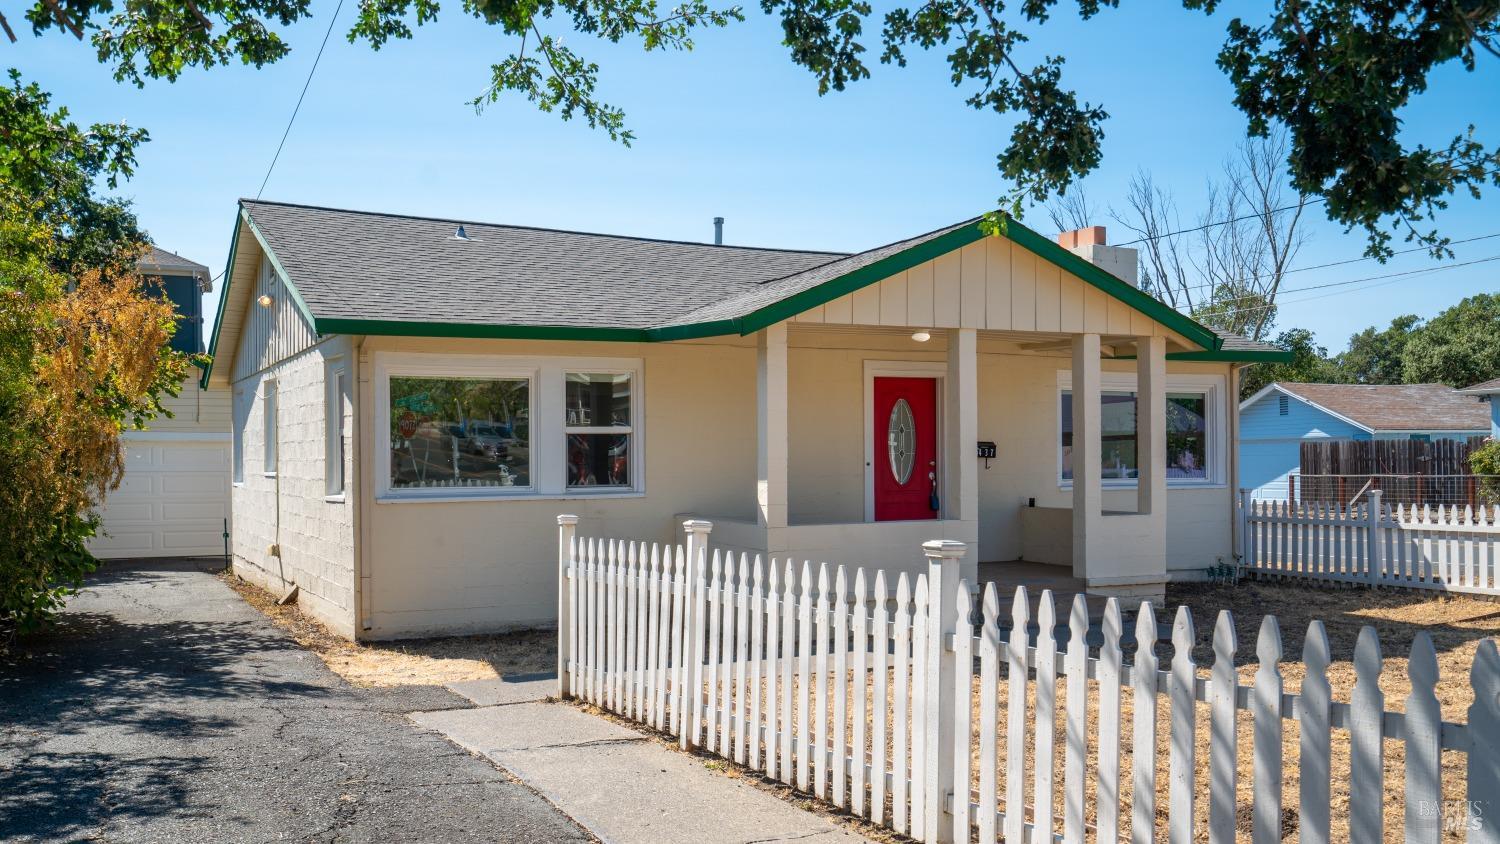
x=416, y=400
x=174, y=498
x=1487, y=391
x=1279, y=418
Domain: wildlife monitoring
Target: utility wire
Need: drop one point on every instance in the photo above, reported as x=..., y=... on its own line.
x=1252, y=216
x=298, y=107
x=1391, y=278
x=1350, y=281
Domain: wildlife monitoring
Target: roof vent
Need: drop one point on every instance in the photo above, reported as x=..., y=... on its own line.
x=460, y=234
x=718, y=231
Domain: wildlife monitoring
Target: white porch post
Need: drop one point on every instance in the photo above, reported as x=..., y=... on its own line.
x=960, y=469
x=1088, y=497
x=771, y=426
x=1151, y=424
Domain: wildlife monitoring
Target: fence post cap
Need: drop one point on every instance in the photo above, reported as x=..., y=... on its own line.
x=697, y=525
x=564, y=519
x=944, y=548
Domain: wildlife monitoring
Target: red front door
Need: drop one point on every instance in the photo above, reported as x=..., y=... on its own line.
x=905, y=458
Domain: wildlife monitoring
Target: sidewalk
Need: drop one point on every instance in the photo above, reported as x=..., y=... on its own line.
x=617, y=783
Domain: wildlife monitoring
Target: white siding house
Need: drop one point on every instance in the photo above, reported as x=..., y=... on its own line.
x=416, y=400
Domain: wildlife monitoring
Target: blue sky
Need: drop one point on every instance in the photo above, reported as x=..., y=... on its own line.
x=731, y=129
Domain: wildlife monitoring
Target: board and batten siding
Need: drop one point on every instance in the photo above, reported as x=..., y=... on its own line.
x=195, y=410
x=273, y=334
x=991, y=284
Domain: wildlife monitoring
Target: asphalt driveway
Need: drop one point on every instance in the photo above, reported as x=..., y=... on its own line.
x=163, y=708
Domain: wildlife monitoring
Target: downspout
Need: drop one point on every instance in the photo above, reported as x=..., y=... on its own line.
x=362, y=501
x=1234, y=458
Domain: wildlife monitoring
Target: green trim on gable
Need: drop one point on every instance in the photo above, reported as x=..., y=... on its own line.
x=213, y=344
x=860, y=278
x=1133, y=296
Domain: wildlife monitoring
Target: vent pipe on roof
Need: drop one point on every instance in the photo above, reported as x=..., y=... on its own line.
x=718, y=231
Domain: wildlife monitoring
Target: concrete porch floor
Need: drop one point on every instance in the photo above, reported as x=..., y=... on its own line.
x=1036, y=577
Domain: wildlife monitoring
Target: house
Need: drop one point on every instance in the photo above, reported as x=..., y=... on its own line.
x=1277, y=419
x=174, y=498
x=1487, y=391
x=416, y=400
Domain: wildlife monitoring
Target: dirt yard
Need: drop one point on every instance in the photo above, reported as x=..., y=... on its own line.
x=448, y=659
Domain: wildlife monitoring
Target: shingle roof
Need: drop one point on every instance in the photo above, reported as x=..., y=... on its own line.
x=361, y=265
x=158, y=259
x=1484, y=387
x=1398, y=407
x=355, y=267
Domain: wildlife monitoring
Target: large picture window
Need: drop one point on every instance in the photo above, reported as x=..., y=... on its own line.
x=459, y=432
x=1192, y=435
x=498, y=426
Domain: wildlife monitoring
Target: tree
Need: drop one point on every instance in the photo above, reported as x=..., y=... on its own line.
x=1377, y=357
x=1227, y=270
x=1309, y=364
x=83, y=345
x=1458, y=347
x=1336, y=74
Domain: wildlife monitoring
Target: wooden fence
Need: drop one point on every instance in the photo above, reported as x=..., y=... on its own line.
x=1407, y=471
x=1454, y=549
x=907, y=713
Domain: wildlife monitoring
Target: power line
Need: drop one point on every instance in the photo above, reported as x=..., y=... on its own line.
x=1206, y=226
x=1348, y=282
x=1391, y=278
x=298, y=107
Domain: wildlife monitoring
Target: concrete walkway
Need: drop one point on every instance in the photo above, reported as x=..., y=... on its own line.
x=617, y=783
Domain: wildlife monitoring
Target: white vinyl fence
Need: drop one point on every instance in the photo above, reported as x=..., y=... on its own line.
x=901, y=712
x=1455, y=549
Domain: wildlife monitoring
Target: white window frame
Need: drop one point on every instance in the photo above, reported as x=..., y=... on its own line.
x=547, y=417
x=1217, y=424
x=336, y=394
x=239, y=418
x=614, y=430
x=270, y=440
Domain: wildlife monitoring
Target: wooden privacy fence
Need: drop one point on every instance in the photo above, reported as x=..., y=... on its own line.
x=942, y=723
x=1407, y=471
x=1454, y=549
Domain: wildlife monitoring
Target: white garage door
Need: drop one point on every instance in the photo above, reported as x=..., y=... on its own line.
x=172, y=503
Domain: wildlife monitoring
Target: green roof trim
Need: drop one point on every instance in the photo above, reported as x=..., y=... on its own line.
x=779, y=311
x=860, y=278
x=213, y=343
x=1133, y=296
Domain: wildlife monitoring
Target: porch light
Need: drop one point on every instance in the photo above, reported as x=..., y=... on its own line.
x=921, y=336
x=264, y=300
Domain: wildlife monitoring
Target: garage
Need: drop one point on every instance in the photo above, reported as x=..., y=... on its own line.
x=173, y=501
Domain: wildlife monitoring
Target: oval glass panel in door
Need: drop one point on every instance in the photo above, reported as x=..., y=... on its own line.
x=901, y=441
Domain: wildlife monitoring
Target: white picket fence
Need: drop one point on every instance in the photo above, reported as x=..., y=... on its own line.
x=889, y=709
x=1446, y=548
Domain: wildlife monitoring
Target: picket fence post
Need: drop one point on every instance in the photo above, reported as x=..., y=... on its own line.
x=697, y=531
x=1242, y=531
x=941, y=674
x=567, y=587
x=1374, y=548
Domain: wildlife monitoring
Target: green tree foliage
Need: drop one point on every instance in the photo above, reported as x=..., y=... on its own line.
x=1336, y=74
x=83, y=346
x=1377, y=357
x=1485, y=461
x=1458, y=347
x=1309, y=363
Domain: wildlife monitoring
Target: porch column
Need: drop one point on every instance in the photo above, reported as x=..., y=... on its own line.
x=1151, y=424
x=771, y=426
x=960, y=468
x=1088, y=495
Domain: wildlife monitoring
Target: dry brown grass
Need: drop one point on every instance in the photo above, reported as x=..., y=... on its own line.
x=448, y=659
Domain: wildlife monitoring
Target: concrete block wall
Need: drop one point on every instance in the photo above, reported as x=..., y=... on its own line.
x=316, y=530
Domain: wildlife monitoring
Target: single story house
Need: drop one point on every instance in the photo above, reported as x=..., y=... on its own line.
x=174, y=498
x=1280, y=417
x=415, y=400
x=1487, y=391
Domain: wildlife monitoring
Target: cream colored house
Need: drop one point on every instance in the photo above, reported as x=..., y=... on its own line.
x=416, y=400
x=174, y=498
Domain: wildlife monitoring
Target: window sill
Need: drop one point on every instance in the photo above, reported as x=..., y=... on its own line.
x=268, y=474
x=477, y=498
x=1067, y=486
x=334, y=499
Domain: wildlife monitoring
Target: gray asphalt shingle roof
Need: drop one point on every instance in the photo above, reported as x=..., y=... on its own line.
x=361, y=265
x=358, y=265
x=1398, y=407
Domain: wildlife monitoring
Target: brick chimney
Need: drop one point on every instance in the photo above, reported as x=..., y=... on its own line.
x=1088, y=243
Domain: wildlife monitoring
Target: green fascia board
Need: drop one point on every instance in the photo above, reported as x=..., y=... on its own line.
x=213, y=343
x=860, y=278
x=1233, y=356
x=1141, y=301
x=399, y=328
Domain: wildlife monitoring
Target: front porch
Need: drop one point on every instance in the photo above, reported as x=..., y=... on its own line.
x=819, y=447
